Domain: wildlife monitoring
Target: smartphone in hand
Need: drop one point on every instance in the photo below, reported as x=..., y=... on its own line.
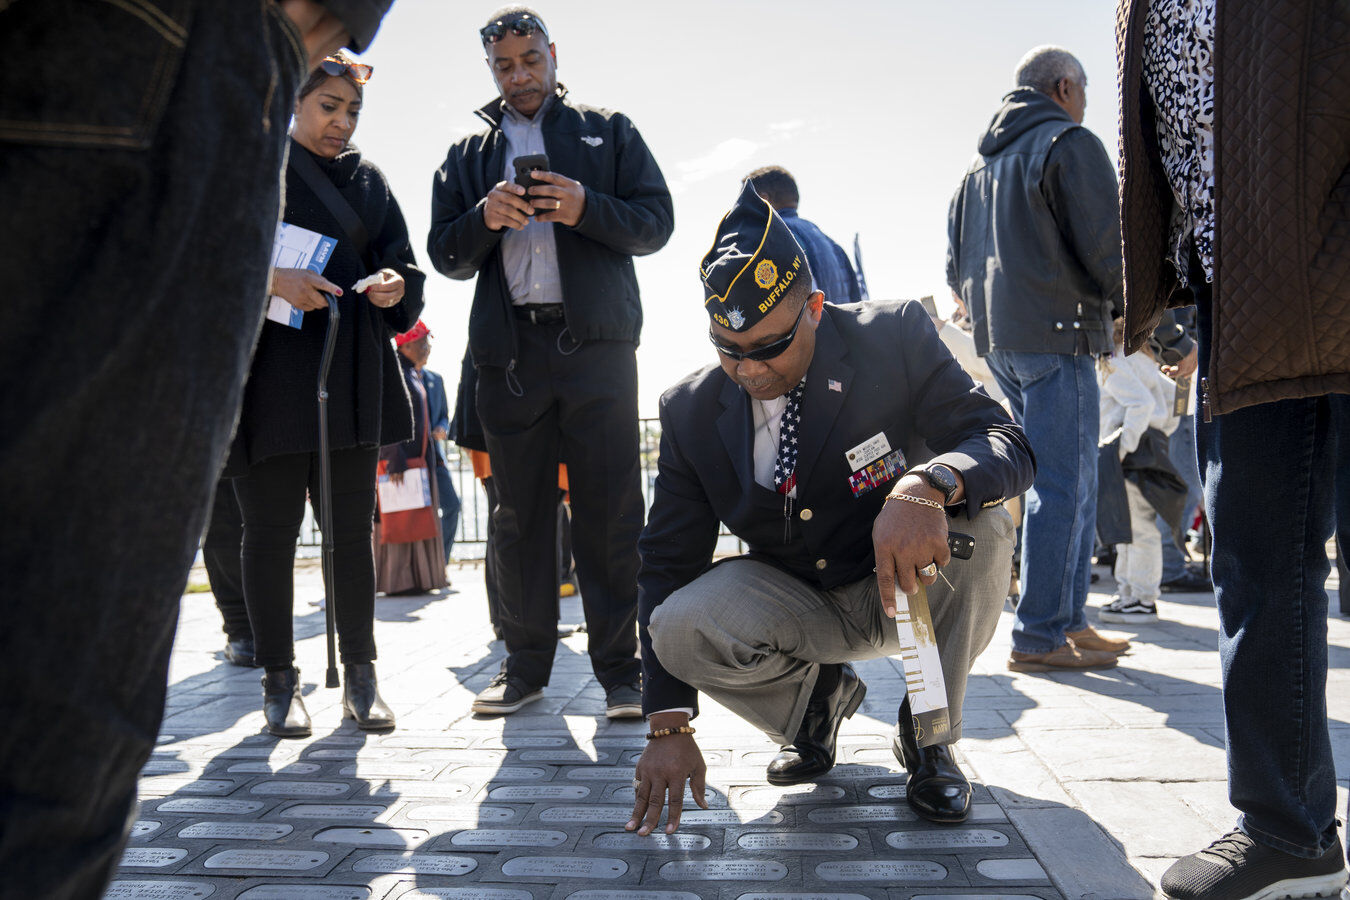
x=524, y=165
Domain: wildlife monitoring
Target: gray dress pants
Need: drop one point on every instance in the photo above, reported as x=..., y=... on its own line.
x=753, y=637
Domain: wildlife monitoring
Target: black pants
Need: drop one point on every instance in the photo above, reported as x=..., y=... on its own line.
x=579, y=405
x=221, y=554
x=272, y=498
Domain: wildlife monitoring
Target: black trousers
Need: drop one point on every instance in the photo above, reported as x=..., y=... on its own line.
x=578, y=404
x=221, y=552
x=272, y=498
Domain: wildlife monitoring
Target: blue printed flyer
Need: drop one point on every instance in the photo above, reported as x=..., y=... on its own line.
x=297, y=248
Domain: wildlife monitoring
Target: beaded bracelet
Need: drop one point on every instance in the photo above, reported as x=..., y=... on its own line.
x=667, y=732
x=923, y=501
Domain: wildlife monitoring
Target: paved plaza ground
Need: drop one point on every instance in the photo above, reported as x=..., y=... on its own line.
x=1087, y=785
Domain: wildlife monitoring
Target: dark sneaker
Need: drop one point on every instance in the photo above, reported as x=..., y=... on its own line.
x=504, y=695
x=1235, y=867
x=623, y=701
x=1193, y=581
x=1128, y=610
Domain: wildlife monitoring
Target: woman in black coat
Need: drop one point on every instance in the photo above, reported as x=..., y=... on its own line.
x=275, y=454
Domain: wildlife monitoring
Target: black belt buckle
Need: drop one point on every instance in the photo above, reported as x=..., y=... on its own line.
x=540, y=313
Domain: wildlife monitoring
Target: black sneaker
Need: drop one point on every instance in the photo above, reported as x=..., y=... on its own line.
x=504, y=695
x=1235, y=867
x=623, y=701
x=1193, y=581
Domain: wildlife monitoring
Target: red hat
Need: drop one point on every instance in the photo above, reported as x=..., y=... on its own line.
x=420, y=330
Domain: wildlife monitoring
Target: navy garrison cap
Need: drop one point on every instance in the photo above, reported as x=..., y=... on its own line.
x=753, y=262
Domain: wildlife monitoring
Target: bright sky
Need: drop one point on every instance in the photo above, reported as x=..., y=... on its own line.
x=875, y=107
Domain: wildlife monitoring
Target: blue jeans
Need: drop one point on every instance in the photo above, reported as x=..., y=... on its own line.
x=1054, y=399
x=141, y=208
x=1181, y=447
x=449, y=500
x=1267, y=469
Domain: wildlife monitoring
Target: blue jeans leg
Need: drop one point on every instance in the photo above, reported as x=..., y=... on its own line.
x=1054, y=398
x=1181, y=447
x=450, y=505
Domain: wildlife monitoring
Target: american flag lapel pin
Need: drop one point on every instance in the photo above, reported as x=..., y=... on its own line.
x=835, y=385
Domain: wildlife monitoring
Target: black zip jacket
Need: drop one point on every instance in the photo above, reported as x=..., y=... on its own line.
x=628, y=213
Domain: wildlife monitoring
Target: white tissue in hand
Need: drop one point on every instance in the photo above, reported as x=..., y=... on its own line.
x=369, y=281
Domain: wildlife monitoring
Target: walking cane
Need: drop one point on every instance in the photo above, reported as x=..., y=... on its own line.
x=326, y=486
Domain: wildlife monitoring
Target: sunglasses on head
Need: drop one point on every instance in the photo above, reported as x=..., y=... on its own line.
x=359, y=72
x=768, y=351
x=523, y=25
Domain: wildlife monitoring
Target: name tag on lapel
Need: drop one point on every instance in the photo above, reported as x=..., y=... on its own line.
x=878, y=473
x=872, y=449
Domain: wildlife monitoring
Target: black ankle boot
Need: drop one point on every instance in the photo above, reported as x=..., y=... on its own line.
x=361, y=699
x=282, y=704
x=937, y=789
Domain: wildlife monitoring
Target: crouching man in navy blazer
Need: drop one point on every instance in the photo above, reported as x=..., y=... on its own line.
x=798, y=441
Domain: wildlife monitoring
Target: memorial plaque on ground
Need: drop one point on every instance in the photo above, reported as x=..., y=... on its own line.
x=800, y=895
x=441, y=813
x=521, y=741
x=306, y=892
x=165, y=766
x=636, y=894
x=126, y=889
x=265, y=752
x=587, y=814
x=425, y=741
x=415, y=864
x=237, y=831
x=438, y=790
x=381, y=768
x=1011, y=869
x=501, y=773
x=462, y=893
x=889, y=871
x=151, y=857
x=496, y=838
x=375, y=836
x=300, y=788
x=763, y=797
x=730, y=816
x=561, y=757
x=267, y=860
x=826, y=815
x=625, y=840
x=626, y=794
x=801, y=841
x=887, y=791
x=352, y=753
x=466, y=757
x=723, y=870
x=214, y=807
x=947, y=839
x=161, y=785
x=143, y=828
x=600, y=773
x=528, y=793
x=356, y=811
x=268, y=768
x=564, y=867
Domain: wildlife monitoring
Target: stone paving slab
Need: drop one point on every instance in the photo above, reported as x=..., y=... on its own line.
x=1086, y=784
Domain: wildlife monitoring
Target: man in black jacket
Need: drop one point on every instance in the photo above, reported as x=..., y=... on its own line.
x=812, y=423
x=553, y=333
x=1034, y=252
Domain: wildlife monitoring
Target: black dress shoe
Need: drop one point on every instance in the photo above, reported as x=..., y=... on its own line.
x=240, y=652
x=937, y=790
x=282, y=705
x=361, y=699
x=811, y=753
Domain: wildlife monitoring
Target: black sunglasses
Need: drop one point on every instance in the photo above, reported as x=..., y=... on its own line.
x=523, y=25
x=768, y=351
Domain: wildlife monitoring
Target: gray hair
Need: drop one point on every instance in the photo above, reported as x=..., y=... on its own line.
x=1043, y=67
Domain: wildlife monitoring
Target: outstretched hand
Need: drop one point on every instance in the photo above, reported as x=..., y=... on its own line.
x=666, y=764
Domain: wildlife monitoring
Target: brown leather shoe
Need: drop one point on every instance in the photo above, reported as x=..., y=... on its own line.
x=1065, y=657
x=1091, y=639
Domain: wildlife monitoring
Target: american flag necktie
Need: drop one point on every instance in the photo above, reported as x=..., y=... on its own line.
x=785, y=468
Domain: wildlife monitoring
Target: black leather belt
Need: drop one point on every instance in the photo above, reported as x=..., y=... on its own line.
x=539, y=313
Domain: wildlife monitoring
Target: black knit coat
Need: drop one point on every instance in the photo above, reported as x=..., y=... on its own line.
x=368, y=403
